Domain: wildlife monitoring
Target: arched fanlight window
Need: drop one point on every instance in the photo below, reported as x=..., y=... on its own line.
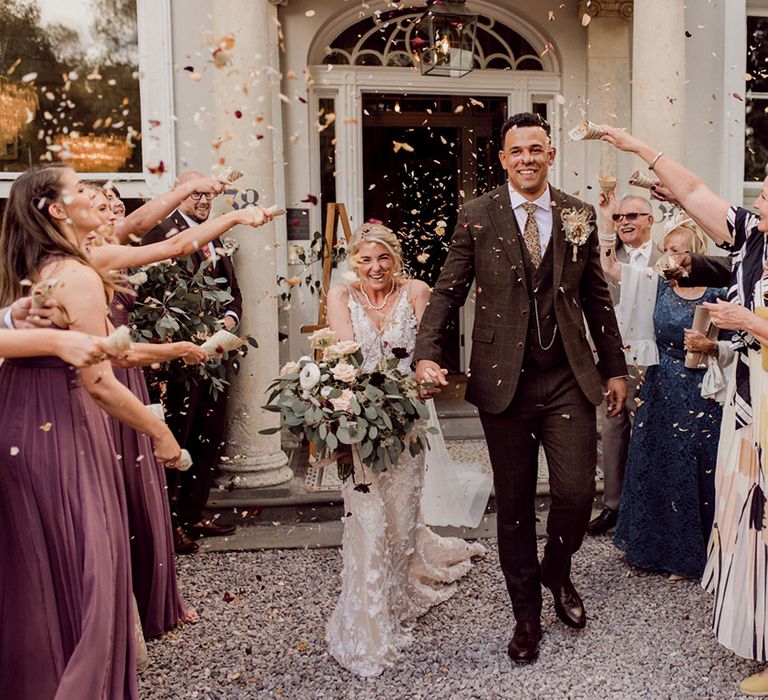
x=386, y=39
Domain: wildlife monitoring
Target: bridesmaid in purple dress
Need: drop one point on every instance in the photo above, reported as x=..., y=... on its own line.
x=161, y=607
x=66, y=621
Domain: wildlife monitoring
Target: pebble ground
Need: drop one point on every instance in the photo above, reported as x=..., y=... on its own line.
x=260, y=634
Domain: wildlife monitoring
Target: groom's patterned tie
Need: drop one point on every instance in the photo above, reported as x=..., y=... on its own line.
x=531, y=235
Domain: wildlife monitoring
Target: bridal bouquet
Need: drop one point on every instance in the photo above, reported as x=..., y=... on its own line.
x=334, y=403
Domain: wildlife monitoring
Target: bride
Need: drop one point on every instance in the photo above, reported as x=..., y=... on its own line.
x=395, y=568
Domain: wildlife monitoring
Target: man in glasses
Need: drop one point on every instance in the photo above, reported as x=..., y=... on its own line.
x=632, y=220
x=195, y=417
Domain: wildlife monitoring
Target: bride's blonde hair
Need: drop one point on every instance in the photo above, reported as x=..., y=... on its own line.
x=376, y=233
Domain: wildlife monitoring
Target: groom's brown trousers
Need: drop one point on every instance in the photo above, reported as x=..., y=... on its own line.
x=550, y=409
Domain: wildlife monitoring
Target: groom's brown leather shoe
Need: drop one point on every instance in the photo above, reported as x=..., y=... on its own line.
x=568, y=605
x=524, y=645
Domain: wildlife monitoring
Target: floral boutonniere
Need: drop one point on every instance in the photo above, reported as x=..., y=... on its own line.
x=577, y=225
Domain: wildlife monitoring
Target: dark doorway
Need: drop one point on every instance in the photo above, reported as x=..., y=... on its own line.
x=423, y=155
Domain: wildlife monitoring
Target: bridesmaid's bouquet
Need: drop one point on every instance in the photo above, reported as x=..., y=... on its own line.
x=346, y=412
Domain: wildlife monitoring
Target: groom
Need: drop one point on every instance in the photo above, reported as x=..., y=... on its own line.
x=532, y=373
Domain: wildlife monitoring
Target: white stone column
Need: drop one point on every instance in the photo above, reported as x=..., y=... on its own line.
x=248, y=132
x=609, y=90
x=658, y=75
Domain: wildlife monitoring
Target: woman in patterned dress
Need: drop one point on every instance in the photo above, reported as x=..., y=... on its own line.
x=737, y=557
x=395, y=567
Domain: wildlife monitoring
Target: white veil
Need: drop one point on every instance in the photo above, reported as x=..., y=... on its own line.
x=454, y=493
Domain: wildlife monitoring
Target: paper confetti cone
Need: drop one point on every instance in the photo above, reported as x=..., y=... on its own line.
x=120, y=339
x=157, y=409
x=639, y=179
x=666, y=263
x=586, y=130
x=220, y=342
x=42, y=292
x=607, y=183
x=185, y=461
x=274, y=210
x=230, y=175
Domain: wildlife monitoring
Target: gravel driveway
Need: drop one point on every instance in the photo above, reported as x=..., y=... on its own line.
x=261, y=627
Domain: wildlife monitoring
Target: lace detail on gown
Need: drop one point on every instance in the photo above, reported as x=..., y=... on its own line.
x=394, y=567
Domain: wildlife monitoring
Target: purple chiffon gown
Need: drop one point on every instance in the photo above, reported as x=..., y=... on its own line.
x=66, y=617
x=149, y=518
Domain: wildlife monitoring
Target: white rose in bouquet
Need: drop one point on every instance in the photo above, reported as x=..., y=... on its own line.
x=340, y=349
x=322, y=338
x=343, y=402
x=310, y=376
x=289, y=368
x=344, y=372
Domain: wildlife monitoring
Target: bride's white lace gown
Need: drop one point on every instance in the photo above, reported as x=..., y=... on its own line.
x=395, y=568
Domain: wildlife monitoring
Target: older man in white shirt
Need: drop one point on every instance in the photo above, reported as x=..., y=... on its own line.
x=630, y=221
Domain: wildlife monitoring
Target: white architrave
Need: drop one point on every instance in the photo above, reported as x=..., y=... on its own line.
x=347, y=84
x=156, y=92
x=346, y=18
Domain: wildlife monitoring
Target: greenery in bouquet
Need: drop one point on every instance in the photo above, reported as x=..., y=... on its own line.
x=336, y=405
x=179, y=300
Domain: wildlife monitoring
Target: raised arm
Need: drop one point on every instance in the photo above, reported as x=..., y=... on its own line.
x=143, y=354
x=81, y=294
x=147, y=216
x=689, y=190
x=121, y=257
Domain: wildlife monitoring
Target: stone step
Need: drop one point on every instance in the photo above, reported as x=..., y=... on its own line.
x=458, y=420
x=300, y=528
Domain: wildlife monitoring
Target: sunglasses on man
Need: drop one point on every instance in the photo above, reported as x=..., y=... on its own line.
x=629, y=216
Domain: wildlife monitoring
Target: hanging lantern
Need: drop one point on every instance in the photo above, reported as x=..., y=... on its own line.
x=447, y=32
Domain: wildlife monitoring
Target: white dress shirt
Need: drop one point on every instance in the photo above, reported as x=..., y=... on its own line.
x=640, y=256
x=637, y=303
x=543, y=214
x=192, y=223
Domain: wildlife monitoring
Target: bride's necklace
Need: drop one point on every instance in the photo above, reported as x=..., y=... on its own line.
x=370, y=304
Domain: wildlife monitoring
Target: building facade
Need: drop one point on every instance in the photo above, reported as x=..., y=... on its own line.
x=321, y=102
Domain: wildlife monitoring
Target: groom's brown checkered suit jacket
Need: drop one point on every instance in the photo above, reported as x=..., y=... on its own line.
x=486, y=247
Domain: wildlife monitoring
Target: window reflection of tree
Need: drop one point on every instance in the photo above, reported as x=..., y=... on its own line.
x=90, y=87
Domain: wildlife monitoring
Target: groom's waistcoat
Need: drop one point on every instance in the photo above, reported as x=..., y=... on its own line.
x=544, y=346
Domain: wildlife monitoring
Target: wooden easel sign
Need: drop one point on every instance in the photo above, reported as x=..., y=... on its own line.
x=335, y=213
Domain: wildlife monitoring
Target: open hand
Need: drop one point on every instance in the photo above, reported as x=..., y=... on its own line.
x=620, y=138
x=732, y=317
x=663, y=194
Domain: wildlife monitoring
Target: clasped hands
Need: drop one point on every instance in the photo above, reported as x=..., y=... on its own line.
x=430, y=377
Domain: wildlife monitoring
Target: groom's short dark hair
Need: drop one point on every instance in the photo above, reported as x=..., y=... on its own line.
x=524, y=119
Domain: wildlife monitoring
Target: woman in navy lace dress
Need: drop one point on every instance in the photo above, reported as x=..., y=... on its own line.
x=668, y=496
